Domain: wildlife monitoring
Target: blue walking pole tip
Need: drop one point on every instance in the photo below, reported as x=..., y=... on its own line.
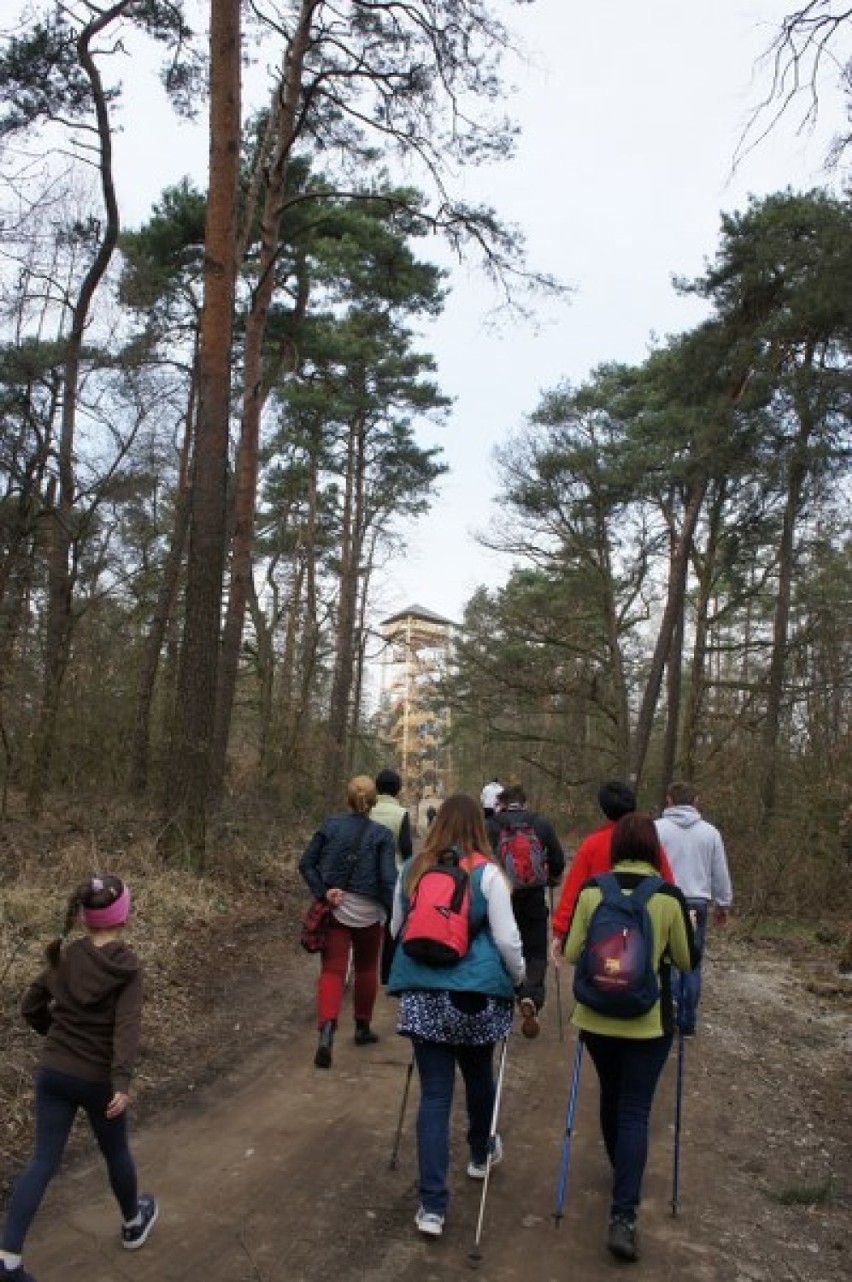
x=474, y=1257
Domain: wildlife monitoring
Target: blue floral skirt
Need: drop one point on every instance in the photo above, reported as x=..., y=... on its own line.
x=455, y=1018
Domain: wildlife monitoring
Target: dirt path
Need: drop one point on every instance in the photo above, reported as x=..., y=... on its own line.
x=279, y=1172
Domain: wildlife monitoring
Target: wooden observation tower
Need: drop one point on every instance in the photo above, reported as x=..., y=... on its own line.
x=417, y=652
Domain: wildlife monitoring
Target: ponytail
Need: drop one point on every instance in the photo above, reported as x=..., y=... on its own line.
x=93, y=900
x=53, y=950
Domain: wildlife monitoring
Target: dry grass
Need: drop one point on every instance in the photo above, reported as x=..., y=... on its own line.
x=189, y=930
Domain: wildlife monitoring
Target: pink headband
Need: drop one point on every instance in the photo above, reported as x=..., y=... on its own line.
x=115, y=914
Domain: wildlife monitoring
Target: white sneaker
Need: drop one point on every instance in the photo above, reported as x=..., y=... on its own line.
x=477, y=1170
x=429, y=1222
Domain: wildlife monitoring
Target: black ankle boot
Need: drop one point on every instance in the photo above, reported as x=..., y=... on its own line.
x=621, y=1239
x=364, y=1035
x=322, y=1059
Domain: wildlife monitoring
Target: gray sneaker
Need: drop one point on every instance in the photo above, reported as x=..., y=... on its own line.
x=477, y=1170
x=621, y=1239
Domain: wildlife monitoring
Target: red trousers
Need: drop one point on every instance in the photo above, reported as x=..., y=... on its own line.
x=365, y=943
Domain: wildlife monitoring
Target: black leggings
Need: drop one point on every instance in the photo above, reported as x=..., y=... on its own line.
x=58, y=1097
x=530, y=909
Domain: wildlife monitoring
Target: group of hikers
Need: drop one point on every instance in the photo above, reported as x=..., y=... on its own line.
x=459, y=931
x=457, y=998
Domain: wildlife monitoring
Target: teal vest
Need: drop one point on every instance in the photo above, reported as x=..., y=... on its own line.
x=481, y=970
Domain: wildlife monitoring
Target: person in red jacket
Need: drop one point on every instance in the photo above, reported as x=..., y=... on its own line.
x=592, y=856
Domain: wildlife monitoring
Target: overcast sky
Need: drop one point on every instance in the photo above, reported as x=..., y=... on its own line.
x=631, y=112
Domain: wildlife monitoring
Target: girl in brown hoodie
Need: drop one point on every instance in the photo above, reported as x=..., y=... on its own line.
x=87, y=1005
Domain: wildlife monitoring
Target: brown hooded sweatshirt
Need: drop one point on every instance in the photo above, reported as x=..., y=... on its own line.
x=90, y=1012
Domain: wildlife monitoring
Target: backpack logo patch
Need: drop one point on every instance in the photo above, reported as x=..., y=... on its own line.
x=615, y=973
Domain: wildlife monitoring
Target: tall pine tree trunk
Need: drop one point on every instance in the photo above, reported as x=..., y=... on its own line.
x=675, y=598
x=674, y=682
x=255, y=392
x=63, y=535
x=189, y=774
x=620, y=694
x=344, y=650
x=798, y=470
x=698, y=669
x=166, y=600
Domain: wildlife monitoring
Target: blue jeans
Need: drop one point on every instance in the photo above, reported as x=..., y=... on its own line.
x=686, y=985
x=58, y=1097
x=628, y=1069
x=436, y=1064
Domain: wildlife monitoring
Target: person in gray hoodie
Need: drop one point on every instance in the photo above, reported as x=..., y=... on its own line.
x=87, y=1005
x=697, y=857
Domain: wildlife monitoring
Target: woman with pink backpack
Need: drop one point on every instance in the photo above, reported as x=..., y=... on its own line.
x=457, y=1010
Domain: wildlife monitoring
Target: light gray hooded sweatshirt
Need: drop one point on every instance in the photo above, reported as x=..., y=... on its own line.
x=696, y=854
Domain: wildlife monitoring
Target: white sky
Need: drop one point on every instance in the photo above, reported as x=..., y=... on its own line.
x=631, y=112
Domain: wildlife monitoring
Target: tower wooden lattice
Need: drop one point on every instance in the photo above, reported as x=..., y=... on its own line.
x=417, y=651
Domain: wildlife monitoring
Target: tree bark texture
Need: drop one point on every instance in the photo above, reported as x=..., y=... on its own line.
x=798, y=470
x=675, y=597
x=255, y=390
x=189, y=775
x=352, y=534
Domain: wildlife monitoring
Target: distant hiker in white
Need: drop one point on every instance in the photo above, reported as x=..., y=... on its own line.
x=697, y=857
x=490, y=796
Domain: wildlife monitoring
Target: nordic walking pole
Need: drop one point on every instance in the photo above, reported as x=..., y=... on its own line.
x=395, y=1153
x=475, y=1255
x=678, y=1102
x=558, y=980
x=559, y=1208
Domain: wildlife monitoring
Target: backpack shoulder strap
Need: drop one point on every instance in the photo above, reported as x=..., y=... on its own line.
x=646, y=888
x=608, y=884
x=474, y=867
x=510, y=820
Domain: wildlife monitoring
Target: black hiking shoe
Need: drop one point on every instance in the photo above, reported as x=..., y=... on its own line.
x=17, y=1274
x=621, y=1239
x=364, y=1035
x=322, y=1059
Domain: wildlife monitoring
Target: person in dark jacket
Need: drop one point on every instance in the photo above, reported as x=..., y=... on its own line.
x=455, y=1014
x=87, y=1005
x=389, y=811
x=349, y=862
x=529, y=904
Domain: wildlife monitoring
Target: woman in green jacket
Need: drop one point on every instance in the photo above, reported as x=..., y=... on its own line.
x=629, y=1053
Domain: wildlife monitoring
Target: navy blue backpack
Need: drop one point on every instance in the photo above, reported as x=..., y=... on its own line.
x=615, y=973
